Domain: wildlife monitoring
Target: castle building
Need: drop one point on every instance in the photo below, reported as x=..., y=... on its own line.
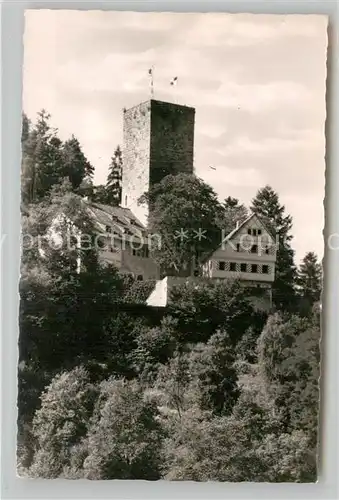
x=120, y=239
x=158, y=141
x=248, y=253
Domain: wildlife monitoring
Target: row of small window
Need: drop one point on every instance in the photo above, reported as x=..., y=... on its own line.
x=244, y=268
x=253, y=249
x=254, y=232
x=110, y=230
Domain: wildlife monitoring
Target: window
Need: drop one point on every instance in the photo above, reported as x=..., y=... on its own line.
x=238, y=247
x=259, y=232
x=221, y=266
x=140, y=277
x=254, y=232
x=146, y=251
x=254, y=249
x=254, y=268
x=265, y=269
x=233, y=266
x=126, y=201
x=101, y=243
x=108, y=229
x=134, y=252
x=267, y=251
x=243, y=268
x=249, y=231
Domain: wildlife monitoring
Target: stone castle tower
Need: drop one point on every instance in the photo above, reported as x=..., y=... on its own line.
x=158, y=141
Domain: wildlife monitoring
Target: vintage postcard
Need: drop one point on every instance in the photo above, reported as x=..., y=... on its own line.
x=172, y=181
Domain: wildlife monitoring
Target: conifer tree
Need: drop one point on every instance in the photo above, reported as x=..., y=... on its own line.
x=25, y=128
x=44, y=156
x=46, y=160
x=309, y=278
x=267, y=205
x=113, y=184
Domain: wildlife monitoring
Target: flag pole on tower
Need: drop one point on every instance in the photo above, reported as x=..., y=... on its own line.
x=173, y=83
x=150, y=73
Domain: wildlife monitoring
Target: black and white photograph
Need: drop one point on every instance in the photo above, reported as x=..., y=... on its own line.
x=172, y=215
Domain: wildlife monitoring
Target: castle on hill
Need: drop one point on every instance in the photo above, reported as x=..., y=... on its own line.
x=158, y=140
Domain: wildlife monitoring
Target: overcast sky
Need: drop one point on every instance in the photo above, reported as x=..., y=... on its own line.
x=257, y=83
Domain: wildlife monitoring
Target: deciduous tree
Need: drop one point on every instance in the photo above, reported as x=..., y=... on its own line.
x=61, y=422
x=184, y=211
x=124, y=441
x=75, y=165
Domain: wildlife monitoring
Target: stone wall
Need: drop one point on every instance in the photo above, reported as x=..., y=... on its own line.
x=172, y=140
x=136, y=158
x=158, y=141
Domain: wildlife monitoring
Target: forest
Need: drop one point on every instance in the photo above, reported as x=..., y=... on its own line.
x=208, y=389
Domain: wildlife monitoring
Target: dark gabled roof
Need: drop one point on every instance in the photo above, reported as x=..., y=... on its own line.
x=121, y=220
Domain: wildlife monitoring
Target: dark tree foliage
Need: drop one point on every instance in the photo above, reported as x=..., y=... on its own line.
x=41, y=158
x=124, y=441
x=137, y=292
x=184, y=211
x=207, y=388
x=233, y=212
x=309, y=280
x=212, y=364
x=114, y=179
x=98, y=194
x=289, y=356
x=46, y=159
x=267, y=205
x=76, y=167
x=64, y=306
x=203, y=309
x=154, y=346
x=62, y=421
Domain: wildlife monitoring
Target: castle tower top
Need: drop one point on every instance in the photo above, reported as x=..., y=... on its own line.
x=158, y=141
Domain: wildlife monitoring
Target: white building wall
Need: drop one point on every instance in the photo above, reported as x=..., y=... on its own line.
x=239, y=250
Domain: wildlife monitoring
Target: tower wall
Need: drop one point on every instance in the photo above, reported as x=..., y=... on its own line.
x=172, y=140
x=158, y=141
x=136, y=158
